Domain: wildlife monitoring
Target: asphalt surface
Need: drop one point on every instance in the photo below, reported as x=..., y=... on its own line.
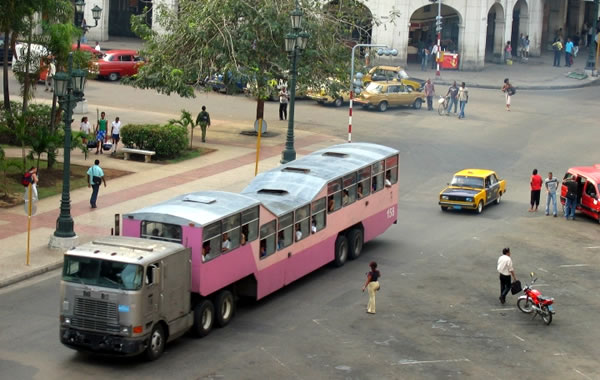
x=438, y=314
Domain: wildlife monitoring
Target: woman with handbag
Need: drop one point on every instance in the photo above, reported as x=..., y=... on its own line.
x=372, y=284
x=509, y=91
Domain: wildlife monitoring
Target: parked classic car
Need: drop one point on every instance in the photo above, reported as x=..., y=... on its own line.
x=392, y=73
x=472, y=189
x=118, y=63
x=588, y=189
x=322, y=97
x=383, y=95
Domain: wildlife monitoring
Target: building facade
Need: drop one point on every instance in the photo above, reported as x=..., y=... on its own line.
x=477, y=30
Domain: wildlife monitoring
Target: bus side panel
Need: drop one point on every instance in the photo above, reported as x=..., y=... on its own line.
x=271, y=278
x=303, y=262
x=377, y=224
x=132, y=227
x=192, y=238
x=225, y=269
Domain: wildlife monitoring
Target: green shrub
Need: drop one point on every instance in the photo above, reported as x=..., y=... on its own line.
x=168, y=141
x=37, y=115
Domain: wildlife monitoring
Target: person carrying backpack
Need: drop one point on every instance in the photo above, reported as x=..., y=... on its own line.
x=30, y=177
x=509, y=91
x=203, y=120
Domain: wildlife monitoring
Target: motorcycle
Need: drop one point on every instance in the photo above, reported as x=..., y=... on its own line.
x=533, y=301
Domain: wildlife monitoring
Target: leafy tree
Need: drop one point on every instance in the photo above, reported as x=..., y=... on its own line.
x=186, y=121
x=43, y=140
x=245, y=39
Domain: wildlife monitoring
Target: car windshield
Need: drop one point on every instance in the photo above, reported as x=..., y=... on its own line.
x=465, y=181
x=375, y=88
x=110, y=274
x=402, y=74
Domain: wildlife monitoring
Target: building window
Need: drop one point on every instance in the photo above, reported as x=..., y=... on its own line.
x=267, y=239
x=334, y=195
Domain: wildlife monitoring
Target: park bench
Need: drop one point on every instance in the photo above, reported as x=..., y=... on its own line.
x=147, y=153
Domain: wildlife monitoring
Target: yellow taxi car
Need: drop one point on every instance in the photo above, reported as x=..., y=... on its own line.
x=383, y=95
x=392, y=73
x=472, y=189
x=322, y=97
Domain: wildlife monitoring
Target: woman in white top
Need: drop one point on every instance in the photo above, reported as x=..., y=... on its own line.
x=85, y=129
x=115, y=133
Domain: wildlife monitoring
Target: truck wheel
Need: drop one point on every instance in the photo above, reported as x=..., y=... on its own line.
x=225, y=305
x=356, y=240
x=204, y=316
x=156, y=345
x=341, y=250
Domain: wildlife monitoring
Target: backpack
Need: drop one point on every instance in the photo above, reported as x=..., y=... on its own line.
x=27, y=179
x=511, y=91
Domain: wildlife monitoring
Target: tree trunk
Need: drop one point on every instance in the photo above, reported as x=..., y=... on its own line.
x=5, y=71
x=51, y=160
x=27, y=84
x=260, y=108
x=192, y=138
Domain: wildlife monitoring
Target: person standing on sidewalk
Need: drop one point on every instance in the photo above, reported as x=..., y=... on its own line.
x=557, y=48
x=429, y=90
x=95, y=176
x=463, y=99
x=571, y=198
x=424, y=58
x=372, y=284
x=507, y=52
x=508, y=91
x=86, y=128
x=434, y=51
x=453, y=96
x=50, y=75
x=506, y=270
x=203, y=120
x=569, y=53
x=536, y=187
x=101, y=130
x=115, y=131
x=551, y=186
x=283, y=103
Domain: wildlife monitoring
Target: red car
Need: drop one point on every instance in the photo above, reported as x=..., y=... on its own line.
x=588, y=196
x=118, y=63
x=90, y=49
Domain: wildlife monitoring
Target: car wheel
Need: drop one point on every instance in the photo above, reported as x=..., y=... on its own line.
x=383, y=106
x=113, y=76
x=338, y=102
x=417, y=104
x=479, y=207
x=499, y=198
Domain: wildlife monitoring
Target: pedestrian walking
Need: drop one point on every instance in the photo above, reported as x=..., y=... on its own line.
x=521, y=52
x=95, y=177
x=463, y=99
x=203, y=120
x=509, y=91
x=31, y=177
x=50, y=75
x=569, y=53
x=452, y=94
x=506, y=270
x=571, y=198
x=536, y=187
x=283, y=103
x=551, y=184
x=86, y=128
x=429, y=90
x=424, y=59
x=508, y=53
x=372, y=284
x=115, y=133
x=434, y=52
x=101, y=130
x=557, y=48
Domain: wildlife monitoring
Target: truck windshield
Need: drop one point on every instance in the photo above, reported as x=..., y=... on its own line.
x=110, y=274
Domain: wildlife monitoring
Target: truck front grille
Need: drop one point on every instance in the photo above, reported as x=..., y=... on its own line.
x=90, y=324
x=89, y=307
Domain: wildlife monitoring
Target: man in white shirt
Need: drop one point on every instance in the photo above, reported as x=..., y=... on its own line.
x=115, y=133
x=226, y=244
x=298, y=232
x=97, y=47
x=505, y=268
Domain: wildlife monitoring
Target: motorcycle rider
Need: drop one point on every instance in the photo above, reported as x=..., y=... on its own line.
x=505, y=268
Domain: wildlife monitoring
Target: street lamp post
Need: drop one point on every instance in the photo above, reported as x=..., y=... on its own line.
x=79, y=10
x=295, y=43
x=68, y=88
x=591, y=61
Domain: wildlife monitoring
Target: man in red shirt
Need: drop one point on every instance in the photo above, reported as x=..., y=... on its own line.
x=536, y=187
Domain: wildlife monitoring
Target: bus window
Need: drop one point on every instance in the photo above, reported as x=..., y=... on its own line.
x=267, y=239
x=377, y=183
x=161, y=231
x=318, y=215
x=364, y=185
x=231, y=233
x=302, y=228
x=211, y=241
x=391, y=169
x=349, y=192
x=334, y=192
x=285, y=233
x=249, y=225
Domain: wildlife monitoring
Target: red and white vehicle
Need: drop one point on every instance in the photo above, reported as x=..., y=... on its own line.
x=533, y=302
x=118, y=63
x=588, y=189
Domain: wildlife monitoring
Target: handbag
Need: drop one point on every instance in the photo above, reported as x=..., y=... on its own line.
x=515, y=287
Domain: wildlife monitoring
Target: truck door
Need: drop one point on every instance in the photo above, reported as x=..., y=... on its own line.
x=152, y=294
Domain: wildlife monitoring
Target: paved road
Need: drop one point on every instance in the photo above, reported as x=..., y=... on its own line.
x=438, y=312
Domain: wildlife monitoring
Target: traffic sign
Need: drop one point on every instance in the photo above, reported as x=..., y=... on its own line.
x=264, y=126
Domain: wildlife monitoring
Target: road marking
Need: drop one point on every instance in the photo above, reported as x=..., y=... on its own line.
x=573, y=265
x=280, y=362
x=505, y=309
x=596, y=247
x=543, y=270
x=560, y=354
x=582, y=374
x=412, y=362
x=519, y=338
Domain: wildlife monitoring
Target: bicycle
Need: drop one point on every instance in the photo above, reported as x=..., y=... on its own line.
x=443, y=102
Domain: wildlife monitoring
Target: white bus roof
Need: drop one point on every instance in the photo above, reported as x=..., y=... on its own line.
x=126, y=249
x=297, y=183
x=201, y=208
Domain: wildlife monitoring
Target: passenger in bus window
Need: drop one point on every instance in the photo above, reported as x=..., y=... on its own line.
x=244, y=235
x=263, y=248
x=280, y=240
x=388, y=178
x=330, y=204
x=375, y=184
x=359, y=191
x=298, y=232
x=155, y=234
x=205, y=250
x=313, y=225
x=345, y=198
x=226, y=244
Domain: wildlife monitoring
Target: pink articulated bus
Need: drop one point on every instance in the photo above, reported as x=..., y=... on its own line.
x=288, y=222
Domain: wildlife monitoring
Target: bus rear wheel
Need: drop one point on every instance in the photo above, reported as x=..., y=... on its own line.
x=341, y=250
x=204, y=316
x=225, y=307
x=356, y=240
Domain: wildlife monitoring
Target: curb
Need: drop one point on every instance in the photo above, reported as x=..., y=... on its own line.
x=30, y=274
x=526, y=87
